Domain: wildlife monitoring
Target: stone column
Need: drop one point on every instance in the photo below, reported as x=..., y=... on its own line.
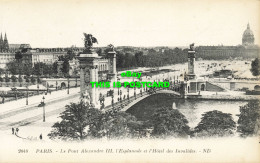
x=191, y=64
x=92, y=90
x=112, y=58
x=82, y=81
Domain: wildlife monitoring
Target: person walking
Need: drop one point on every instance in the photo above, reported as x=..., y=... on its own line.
x=40, y=137
x=12, y=130
x=17, y=129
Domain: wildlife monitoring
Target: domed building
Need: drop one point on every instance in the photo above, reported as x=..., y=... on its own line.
x=248, y=37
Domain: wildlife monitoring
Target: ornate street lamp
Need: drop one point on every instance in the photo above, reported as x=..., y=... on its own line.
x=43, y=109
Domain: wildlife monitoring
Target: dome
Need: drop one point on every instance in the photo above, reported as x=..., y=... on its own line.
x=248, y=31
x=248, y=36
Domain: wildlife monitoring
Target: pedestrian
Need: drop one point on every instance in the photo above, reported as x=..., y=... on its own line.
x=12, y=130
x=17, y=129
x=41, y=136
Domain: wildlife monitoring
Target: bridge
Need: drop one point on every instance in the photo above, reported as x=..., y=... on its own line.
x=125, y=104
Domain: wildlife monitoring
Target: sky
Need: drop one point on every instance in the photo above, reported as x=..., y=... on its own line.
x=61, y=23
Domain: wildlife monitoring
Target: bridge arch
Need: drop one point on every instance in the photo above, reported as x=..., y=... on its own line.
x=202, y=87
x=63, y=85
x=257, y=88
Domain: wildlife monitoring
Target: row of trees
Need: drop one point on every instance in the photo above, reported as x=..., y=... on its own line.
x=127, y=59
x=81, y=121
x=17, y=67
x=20, y=79
x=40, y=69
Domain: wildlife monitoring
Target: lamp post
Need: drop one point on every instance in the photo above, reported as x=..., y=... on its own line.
x=112, y=100
x=37, y=87
x=3, y=98
x=56, y=85
x=68, y=86
x=43, y=107
x=27, y=95
x=16, y=94
x=135, y=92
x=47, y=88
x=121, y=95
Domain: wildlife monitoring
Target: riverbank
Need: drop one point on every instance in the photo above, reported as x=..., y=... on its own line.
x=229, y=96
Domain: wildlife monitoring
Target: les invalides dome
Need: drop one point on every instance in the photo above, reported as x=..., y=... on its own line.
x=248, y=36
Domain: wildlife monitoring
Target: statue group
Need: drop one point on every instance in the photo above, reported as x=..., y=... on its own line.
x=89, y=41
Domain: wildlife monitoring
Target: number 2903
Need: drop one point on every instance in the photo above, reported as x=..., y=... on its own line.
x=22, y=150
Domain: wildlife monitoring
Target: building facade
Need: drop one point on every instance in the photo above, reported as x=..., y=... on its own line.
x=247, y=50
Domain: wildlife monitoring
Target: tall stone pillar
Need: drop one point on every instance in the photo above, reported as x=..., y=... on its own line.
x=112, y=62
x=82, y=80
x=89, y=73
x=191, y=63
x=93, y=90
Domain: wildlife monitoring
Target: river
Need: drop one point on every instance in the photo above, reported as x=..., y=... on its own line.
x=192, y=109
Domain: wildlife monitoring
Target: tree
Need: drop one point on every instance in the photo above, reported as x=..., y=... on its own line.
x=38, y=68
x=249, y=119
x=215, y=123
x=13, y=78
x=33, y=79
x=27, y=69
x=139, y=59
x=27, y=79
x=39, y=80
x=75, y=120
x=1, y=71
x=7, y=79
x=255, y=67
x=65, y=67
x=55, y=67
x=70, y=54
x=13, y=67
x=41, y=68
x=113, y=125
x=20, y=79
x=169, y=122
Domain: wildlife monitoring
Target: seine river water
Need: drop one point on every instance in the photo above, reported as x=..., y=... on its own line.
x=192, y=109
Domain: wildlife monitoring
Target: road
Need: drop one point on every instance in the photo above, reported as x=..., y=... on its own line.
x=27, y=115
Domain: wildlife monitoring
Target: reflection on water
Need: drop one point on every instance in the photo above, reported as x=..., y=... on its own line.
x=192, y=109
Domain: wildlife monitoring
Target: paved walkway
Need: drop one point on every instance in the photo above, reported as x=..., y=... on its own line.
x=33, y=101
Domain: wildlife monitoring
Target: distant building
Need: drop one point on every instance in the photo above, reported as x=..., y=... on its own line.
x=4, y=46
x=248, y=37
x=50, y=55
x=247, y=50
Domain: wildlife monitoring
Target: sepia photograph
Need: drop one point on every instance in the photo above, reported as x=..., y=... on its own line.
x=129, y=81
